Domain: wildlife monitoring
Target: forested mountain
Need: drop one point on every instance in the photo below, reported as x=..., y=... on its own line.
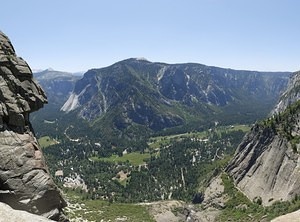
x=135, y=97
x=139, y=131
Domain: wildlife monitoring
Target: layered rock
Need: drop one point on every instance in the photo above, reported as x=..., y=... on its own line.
x=25, y=183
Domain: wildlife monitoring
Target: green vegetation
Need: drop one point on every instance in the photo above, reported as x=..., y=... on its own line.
x=176, y=168
x=98, y=210
x=285, y=124
x=47, y=141
x=134, y=158
x=158, y=141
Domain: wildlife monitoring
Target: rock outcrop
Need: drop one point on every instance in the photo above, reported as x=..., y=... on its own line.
x=266, y=164
x=25, y=183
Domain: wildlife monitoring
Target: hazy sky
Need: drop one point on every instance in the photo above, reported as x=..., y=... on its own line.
x=76, y=35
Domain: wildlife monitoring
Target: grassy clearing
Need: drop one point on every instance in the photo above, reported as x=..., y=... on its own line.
x=162, y=141
x=134, y=158
x=244, y=128
x=99, y=210
x=47, y=141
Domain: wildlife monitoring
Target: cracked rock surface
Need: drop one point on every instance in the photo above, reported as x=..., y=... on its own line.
x=25, y=183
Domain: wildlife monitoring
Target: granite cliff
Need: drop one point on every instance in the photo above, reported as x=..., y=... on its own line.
x=266, y=164
x=25, y=183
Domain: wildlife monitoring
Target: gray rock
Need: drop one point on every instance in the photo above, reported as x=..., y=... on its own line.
x=291, y=217
x=264, y=166
x=10, y=215
x=25, y=182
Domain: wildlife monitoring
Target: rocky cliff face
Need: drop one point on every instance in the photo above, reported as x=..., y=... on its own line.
x=266, y=164
x=291, y=95
x=25, y=183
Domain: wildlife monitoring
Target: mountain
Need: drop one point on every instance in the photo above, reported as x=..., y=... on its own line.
x=136, y=95
x=266, y=163
x=57, y=85
x=25, y=182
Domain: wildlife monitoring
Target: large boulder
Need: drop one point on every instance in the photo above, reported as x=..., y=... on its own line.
x=25, y=182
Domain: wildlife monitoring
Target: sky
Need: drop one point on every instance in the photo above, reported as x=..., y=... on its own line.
x=77, y=35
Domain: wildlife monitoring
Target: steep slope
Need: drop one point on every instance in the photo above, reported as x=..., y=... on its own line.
x=138, y=95
x=266, y=164
x=25, y=182
x=57, y=85
x=291, y=95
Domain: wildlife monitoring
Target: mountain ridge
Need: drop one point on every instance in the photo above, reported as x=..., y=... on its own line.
x=158, y=96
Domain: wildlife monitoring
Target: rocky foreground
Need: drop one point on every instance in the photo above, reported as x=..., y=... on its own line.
x=25, y=183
